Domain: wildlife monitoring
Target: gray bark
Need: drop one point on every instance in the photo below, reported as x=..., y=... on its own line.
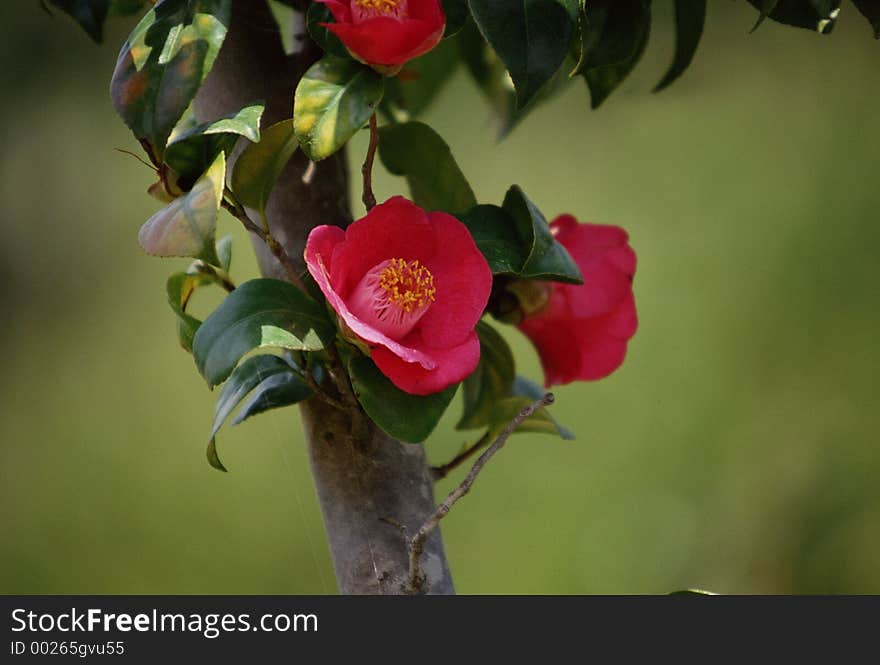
x=363, y=477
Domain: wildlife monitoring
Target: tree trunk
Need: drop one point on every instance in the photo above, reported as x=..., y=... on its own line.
x=363, y=476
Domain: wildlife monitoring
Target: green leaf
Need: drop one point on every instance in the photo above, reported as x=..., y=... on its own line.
x=192, y=149
x=490, y=75
x=126, y=7
x=495, y=233
x=273, y=393
x=406, y=417
x=163, y=64
x=329, y=42
x=412, y=91
x=213, y=459
x=491, y=382
x=690, y=17
x=334, y=99
x=259, y=313
x=614, y=35
x=870, y=9
x=457, y=13
x=180, y=287
x=185, y=227
x=416, y=151
x=547, y=259
x=224, y=252
x=527, y=391
x=260, y=164
x=530, y=36
x=818, y=15
x=242, y=381
x=90, y=14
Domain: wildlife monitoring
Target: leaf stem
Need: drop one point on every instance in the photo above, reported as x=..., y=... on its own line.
x=367, y=170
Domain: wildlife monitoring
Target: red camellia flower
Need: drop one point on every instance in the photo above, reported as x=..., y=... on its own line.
x=581, y=331
x=411, y=285
x=387, y=33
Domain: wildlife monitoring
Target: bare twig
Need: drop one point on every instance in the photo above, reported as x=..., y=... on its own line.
x=440, y=472
x=273, y=245
x=367, y=169
x=417, y=544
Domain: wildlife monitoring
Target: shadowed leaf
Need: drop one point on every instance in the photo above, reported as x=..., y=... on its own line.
x=416, y=151
x=690, y=16
x=259, y=165
x=90, y=14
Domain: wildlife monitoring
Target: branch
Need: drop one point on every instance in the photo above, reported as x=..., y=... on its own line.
x=417, y=545
x=266, y=236
x=367, y=169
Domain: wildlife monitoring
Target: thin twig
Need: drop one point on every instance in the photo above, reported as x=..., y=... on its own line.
x=440, y=472
x=267, y=237
x=417, y=544
x=367, y=169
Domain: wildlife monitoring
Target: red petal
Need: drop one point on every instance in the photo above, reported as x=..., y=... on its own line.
x=396, y=229
x=463, y=281
x=387, y=41
x=452, y=365
x=320, y=241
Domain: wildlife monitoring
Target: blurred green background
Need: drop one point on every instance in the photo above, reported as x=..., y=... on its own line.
x=736, y=450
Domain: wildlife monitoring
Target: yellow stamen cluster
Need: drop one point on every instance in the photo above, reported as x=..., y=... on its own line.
x=380, y=6
x=408, y=285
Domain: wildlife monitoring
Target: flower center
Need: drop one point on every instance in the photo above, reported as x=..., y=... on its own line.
x=393, y=296
x=367, y=9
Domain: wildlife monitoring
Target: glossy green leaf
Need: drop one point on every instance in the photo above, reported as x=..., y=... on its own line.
x=692, y=592
x=185, y=227
x=547, y=259
x=274, y=392
x=417, y=152
x=613, y=37
x=870, y=9
x=690, y=17
x=412, y=91
x=90, y=14
x=270, y=380
x=247, y=376
x=163, y=64
x=406, y=417
x=259, y=313
x=330, y=43
x=818, y=15
x=491, y=382
x=191, y=150
x=334, y=99
x=530, y=36
x=495, y=233
x=260, y=164
x=491, y=77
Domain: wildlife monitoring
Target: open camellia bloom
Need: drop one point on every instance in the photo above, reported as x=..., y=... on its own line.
x=387, y=33
x=581, y=331
x=409, y=284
